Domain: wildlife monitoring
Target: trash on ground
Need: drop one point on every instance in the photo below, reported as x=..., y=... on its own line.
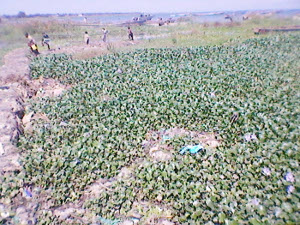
x=135, y=220
x=108, y=221
x=1, y=149
x=255, y=202
x=28, y=193
x=290, y=189
x=3, y=212
x=266, y=171
x=166, y=137
x=64, y=124
x=289, y=177
x=250, y=137
x=193, y=149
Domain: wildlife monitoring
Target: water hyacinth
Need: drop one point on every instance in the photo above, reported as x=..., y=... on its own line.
x=170, y=89
x=289, y=177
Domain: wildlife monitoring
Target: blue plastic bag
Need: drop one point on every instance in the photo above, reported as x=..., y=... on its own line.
x=108, y=221
x=193, y=149
x=28, y=193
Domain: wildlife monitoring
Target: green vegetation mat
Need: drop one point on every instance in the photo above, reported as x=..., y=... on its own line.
x=98, y=127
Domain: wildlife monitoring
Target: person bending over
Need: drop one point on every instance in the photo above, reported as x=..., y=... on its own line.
x=46, y=40
x=32, y=45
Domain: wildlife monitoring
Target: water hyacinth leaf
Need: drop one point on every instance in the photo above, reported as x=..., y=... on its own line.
x=107, y=121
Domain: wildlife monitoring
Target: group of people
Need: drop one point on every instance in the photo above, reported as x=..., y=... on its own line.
x=46, y=40
x=33, y=45
x=104, y=37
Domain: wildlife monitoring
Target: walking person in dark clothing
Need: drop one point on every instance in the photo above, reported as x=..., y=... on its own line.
x=130, y=34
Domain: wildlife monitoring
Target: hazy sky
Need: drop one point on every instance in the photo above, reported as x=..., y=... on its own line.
x=77, y=6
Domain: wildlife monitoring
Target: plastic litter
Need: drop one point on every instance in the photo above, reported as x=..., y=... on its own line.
x=135, y=219
x=4, y=88
x=28, y=193
x=250, y=137
x=290, y=189
x=64, y=124
x=255, y=202
x=1, y=149
x=193, y=149
x=212, y=94
x=166, y=137
x=289, y=177
x=108, y=221
x=266, y=171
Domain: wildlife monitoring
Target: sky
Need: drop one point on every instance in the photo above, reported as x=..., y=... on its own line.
x=10, y=7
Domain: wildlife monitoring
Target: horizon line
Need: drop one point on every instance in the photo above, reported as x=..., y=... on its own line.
x=114, y=12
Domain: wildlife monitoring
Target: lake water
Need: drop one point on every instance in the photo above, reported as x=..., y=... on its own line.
x=122, y=17
x=117, y=18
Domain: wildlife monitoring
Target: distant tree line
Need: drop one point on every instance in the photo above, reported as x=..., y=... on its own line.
x=22, y=14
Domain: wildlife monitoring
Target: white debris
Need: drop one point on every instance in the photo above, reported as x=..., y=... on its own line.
x=27, y=118
x=289, y=177
x=255, y=202
x=266, y=171
x=250, y=137
x=1, y=149
x=290, y=189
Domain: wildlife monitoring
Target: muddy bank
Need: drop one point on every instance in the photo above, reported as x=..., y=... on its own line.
x=20, y=205
x=14, y=74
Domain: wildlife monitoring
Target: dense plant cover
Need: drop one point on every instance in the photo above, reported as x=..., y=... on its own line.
x=98, y=127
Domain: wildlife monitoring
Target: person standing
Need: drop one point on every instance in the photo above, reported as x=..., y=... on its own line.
x=130, y=34
x=105, y=32
x=86, y=38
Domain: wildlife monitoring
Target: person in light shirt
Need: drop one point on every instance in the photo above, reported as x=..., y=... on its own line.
x=105, y=32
